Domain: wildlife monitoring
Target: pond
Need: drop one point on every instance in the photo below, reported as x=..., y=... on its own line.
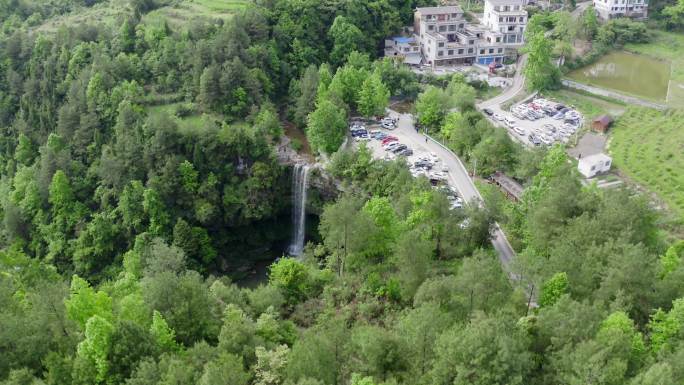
x=628, y=73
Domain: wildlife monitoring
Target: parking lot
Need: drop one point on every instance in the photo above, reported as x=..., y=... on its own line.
x=540, y=122
x=386, y=143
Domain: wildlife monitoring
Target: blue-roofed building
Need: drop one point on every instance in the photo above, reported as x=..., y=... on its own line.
x=403, y=48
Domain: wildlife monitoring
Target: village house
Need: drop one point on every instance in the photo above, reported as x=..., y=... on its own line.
x=611, y=9
x=403, y=47
x=442, y=35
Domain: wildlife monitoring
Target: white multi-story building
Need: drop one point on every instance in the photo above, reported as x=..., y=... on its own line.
x=445, y=38
x=507, y=17
x=611, y=9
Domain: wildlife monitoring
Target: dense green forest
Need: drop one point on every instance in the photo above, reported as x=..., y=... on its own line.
x=138, y=160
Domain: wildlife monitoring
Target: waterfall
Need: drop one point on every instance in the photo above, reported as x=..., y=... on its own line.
x=300, y=179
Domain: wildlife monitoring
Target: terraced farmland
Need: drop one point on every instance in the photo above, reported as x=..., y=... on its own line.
x=648, y=146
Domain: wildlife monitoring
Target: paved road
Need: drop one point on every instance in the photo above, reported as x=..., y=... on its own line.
x=458, y=176
x=519, y=79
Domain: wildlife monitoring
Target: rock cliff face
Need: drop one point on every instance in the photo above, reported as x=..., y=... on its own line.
x=322, y=189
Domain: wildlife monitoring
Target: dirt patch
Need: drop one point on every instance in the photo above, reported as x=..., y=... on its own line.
x=589, y=144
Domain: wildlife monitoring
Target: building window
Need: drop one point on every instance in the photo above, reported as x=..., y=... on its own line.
x=497, y=8
x=482, y=52
x=460, y=26
x=498, y=39
x=454, y=15
x=500, y=19
x=431, y=27
x=452, y=27
x=522, y=19
x=441, y=44
x=450, y=52
x=517, y=7
x=442, y=28
x=499, y=50
x=440, y=53
x=460, y=51
x=491, y=50
x=470, y=50
x=471, y=41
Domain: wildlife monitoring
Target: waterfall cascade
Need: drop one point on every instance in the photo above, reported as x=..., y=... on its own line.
x=300, y=180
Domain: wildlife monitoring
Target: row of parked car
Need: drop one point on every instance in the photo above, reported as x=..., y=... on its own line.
x=392, y=145
x=540, y=108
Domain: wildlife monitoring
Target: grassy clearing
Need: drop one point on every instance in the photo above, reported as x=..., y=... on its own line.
x=188, y=10
x=189, y=124
x=667, y=46
x=648, y=146
x=108, y=13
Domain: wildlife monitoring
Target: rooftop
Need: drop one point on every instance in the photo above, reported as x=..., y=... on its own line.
x=439, y=10
x=508, y=184
x=603, y=119
x=596, y=158
x=403, y=40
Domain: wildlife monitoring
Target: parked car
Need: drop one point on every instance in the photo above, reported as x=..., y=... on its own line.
x=534, y=139
x=397, y=149
x=510, y=122
x=423, y=164
x=498, y=117
x=357, y=133
x=387, y=126
x=389, y=139
x=559, y=107
x=488, y=112
x=549, y=127
x=391, y=146
x=405, y=152
x=519, y=130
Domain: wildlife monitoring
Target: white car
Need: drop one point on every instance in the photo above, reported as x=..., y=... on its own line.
x=498, y=117
x=519, y=130
x=546, y=140
x=389, y=146
x=387, y=126
x=438, y=175
x=510, y=122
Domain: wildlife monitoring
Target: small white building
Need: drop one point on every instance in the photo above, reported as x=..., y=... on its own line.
x=611, y=9
x=595, y=164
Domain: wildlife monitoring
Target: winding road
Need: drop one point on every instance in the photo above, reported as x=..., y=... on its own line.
x=458, y=175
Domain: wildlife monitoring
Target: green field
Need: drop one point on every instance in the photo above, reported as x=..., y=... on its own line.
x=648, y=146
x=177, y=13
x=191, y=9
x=190, y=124
x=667, y=46
x=589, y=106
